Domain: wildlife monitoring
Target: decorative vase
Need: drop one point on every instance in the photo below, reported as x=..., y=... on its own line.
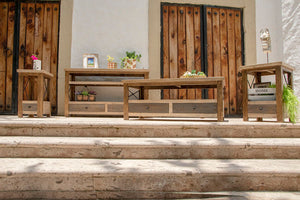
x=85, y=97
x=79, y=97
x=92, y=97
x=112, y=65
x=129, y=63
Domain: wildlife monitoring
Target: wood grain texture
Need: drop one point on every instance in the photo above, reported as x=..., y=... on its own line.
x=209, y=38
x=238, y=57
x=173, y=47
x=190, y=44
x=166, y=62
x=224, y=56
x=231, y=62
x=47, y=37
x=182, y=48
x=9, y=55
x=198, y=46
x=216, y=43
x=22, y=36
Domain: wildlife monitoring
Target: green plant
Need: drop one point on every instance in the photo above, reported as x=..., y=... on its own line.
x=85, y=93
x=130, y=56
x=291, y=103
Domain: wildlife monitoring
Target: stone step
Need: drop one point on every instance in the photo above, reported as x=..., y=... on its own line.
x=98, y=178
x=117, y=127
x=150, y=148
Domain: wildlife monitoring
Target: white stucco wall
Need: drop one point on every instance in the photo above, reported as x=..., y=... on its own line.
x=109, y=27
x=268, y=15
x=291, y=38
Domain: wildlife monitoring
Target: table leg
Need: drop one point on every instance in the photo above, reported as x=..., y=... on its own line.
x=245, y=96
x=125, y=102
x=67, y=81
x=40, y=96
x=279, y=90
x=20, y=96
x=220, y=101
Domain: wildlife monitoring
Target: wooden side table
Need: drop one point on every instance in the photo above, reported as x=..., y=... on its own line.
x=37, y=107
x=270, y=109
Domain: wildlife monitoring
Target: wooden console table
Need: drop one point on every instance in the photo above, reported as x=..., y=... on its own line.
x=37, y=107
x=269, y=109
x=73, y=107
x=175, y=108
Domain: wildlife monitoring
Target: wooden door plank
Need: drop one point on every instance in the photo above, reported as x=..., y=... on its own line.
x=190, y=46
x=224, y=56
x=166, y=63
x=53, y=64
x=216, y=43
x=197, y=40
x=3, y=45
x=173, y=48
x=231, y=61
x=209, y=38
x=28, y=93
x=9, y=55
x=22, y=36
x=47, y=37
x=238, y=57
x=182, y=68
x=38, y=33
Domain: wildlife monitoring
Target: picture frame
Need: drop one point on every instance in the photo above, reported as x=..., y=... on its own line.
x=90, y=60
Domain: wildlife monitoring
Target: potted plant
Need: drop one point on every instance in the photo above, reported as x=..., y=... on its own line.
x=92, y=95
x=78, y=95
x=85, y=95
x=129, y=62
x=111, y=64
x=291, y=103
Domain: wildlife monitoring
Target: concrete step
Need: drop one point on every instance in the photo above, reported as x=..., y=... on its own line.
x=98, y=178
x=150, y=148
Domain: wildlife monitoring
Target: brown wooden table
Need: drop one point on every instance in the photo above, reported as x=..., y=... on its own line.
x=39, y=106
x=73, y=107
x=270, y=109
x=174, y=108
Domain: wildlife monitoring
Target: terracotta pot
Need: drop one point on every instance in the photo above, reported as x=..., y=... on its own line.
x=85, y=97
x=130, y=64
x=79, y=97
x=92, y=97
x=112, y=65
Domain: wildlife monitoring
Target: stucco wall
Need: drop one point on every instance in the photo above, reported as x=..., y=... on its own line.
x=268, y=15
x=291, y=38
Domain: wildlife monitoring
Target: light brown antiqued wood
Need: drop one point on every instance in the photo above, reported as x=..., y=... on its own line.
x=238, y=57
x=224, y=57
x=67, y=92
x=166, y=61
x=22, y=36
x=54, y=56
x=216, y=43
x=270, y=67
x=210, y=56
x=245, y=95
x=279, y=91
x=197, y=41
x=20, y=95
x=182, y=47
x=231, y=61
x=220, y=100
x=9, y=55
x=3, y=43
x=148, y=108
x=47, y=38
x=190, y=45
x=125, y=99
x=173, y=25
x=96, y=83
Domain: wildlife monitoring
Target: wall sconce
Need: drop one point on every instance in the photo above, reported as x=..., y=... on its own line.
x=265, y=41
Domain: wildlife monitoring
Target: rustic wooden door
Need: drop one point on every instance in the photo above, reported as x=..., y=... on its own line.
x=7, y=26
x=39, y=23
x=181, y=41
x=207, y=39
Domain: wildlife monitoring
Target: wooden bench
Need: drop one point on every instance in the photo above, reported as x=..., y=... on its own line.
x=211, y=108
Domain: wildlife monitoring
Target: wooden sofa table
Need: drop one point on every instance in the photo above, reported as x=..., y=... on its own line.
x=73, y=107
x=211, y=108
x=39, y=106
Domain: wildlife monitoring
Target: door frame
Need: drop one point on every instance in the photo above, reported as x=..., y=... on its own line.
x=14, y=102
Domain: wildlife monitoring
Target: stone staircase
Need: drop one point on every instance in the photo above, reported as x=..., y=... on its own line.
x=108, y=158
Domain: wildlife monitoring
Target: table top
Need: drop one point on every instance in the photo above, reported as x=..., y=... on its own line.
x=31, y=72
x=268, y=68
x=106, y=72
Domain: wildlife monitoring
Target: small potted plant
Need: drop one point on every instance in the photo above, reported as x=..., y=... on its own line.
x=92, y=95
x=78, y=95
x=129, y=62
x=111, y=64
x=85, y=95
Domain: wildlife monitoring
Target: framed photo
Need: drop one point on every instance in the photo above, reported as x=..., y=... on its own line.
x=90, y=61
